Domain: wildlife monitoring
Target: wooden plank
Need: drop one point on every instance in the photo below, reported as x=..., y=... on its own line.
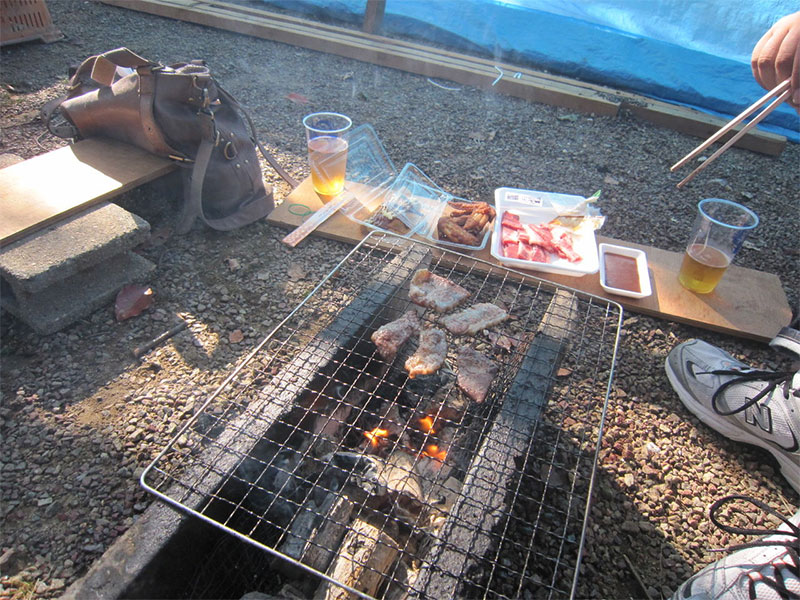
x=702, y=125
x=49, y=187
x=747, y=303
x=428, y=61
x=373, y=15
x=468, y=534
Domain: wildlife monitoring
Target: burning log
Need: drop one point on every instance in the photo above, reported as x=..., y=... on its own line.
x=366, y=553
x=372, y=541
x=314, y=533
x=432, y=465
x=386, y=434
x=404, y=486
x=376, y=482
x=447, y=404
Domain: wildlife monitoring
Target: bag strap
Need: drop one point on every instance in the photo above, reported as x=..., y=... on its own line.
x=269, y=158
x=193, y=193
x=193, y=196
x=99, y=71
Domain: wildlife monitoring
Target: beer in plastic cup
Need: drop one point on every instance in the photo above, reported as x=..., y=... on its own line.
x=327, y=151
x=719, y=231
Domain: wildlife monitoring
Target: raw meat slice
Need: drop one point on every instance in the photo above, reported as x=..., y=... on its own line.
x=511, y=250
x=537, y=243
x=475, y=373
x=433, y=291
x=430, y=353
x=390, y=337
x=563, y=244
x=473, y=319
x=511, y=220
x=509, y=235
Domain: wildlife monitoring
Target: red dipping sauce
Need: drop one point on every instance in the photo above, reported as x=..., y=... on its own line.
x=622, y=272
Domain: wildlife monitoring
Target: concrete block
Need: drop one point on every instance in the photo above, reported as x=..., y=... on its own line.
x=64, y=302
x=53, y=254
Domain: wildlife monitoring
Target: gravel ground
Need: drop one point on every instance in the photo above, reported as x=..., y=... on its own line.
x=81, y=418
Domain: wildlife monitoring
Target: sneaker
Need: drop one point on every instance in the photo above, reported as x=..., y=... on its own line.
x=768, y=568
x=787, y=339
x=742, y=403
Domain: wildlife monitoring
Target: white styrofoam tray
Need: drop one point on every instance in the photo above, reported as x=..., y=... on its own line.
x=534, y=207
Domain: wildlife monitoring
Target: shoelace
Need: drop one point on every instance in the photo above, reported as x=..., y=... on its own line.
x=773, y=379
x=790, y=540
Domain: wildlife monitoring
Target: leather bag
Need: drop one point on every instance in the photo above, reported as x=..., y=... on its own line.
x=177, y=111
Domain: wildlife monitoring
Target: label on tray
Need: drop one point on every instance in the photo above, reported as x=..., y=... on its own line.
x=528, y=199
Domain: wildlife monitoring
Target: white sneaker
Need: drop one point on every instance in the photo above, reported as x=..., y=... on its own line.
x=768, y=568
x=742, y=403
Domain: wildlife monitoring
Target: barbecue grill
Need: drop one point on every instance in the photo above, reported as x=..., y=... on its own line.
x=333, y=461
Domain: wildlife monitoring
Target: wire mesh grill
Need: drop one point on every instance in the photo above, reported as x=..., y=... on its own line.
x=329, y=457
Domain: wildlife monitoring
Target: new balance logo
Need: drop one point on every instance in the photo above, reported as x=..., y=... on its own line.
x=759, y=415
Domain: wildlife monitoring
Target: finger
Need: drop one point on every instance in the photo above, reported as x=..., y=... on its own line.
x=756, y=57
x=764, y=65
x=785, y=57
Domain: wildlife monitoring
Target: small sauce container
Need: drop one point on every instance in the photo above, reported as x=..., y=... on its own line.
x=623, y=271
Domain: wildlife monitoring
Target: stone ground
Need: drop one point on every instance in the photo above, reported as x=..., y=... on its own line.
x=81, y=418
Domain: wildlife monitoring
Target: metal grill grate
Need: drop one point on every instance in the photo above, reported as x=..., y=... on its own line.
x=330, y=458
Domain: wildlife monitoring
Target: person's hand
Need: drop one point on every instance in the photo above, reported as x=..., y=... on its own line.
x=776, y=56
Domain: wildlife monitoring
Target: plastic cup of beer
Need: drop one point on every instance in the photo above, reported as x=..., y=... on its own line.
x=327, y=151
x=718, y=233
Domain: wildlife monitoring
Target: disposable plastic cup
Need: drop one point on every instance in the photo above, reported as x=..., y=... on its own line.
x=719, y=230
x=327, y=152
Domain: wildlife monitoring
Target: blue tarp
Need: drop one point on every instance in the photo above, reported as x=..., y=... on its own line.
x=692, y=52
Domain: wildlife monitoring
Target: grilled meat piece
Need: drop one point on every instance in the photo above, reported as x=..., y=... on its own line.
x=450, y=230
x=390, y=337
x=433, y=291
x=475, y=373
x=430, y=353
x=471, y=320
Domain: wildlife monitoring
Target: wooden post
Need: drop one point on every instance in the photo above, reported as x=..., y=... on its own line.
x=373, y=15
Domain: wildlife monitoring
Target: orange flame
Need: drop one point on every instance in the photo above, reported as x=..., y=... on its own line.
x=375, y=435
x=433, y=451
x=426, y=424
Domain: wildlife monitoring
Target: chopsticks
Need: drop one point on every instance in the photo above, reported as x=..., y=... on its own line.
x=782, y=92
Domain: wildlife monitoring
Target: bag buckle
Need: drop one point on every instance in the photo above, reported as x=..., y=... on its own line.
x=206, y=100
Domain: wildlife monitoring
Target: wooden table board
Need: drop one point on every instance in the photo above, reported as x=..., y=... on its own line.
x=52, y=186
x=747, y=303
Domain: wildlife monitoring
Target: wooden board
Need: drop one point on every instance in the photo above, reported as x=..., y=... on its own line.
x=49, y=187
x=521, y=82
x=747, y=303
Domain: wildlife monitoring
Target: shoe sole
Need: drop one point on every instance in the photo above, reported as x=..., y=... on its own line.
x=789, y=470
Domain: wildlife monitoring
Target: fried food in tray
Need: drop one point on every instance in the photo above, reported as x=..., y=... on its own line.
x=465, y=223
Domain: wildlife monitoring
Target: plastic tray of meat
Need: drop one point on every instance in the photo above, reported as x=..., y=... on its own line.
x=462, y=224
x=406, y=206
x=526, y=234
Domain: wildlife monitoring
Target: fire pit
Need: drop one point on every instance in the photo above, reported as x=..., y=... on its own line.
x=329, y=454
